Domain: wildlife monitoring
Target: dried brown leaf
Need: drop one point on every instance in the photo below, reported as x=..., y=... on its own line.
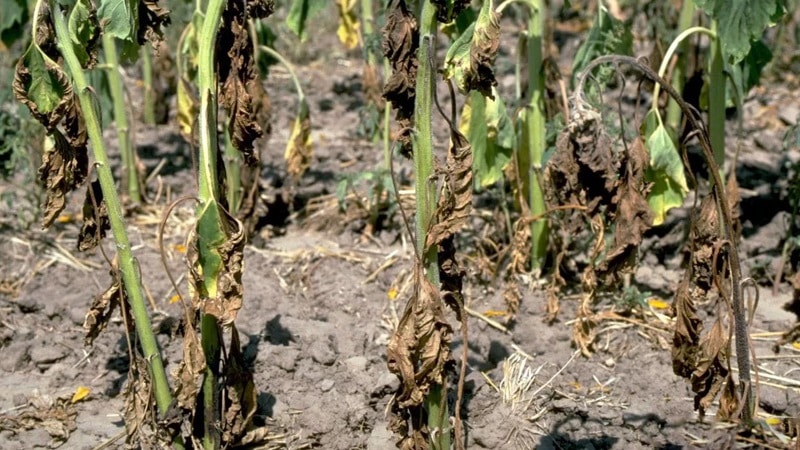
x=56, y=417
x=64, y=167
x=189, y=375
x=686, y=339
x=240, y=393
x=711, y=370
x=728, y=401
x=102, y=308
x=705, y=235
x=455, y=203
x=482, y=53
x=400, y=44
x=152, y=20
x=632, y=219
x=95, y=218
x=418, y=353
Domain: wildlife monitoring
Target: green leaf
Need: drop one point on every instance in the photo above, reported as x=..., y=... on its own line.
x=666, y=169
x=740, y=22
x=607, y=36
x=457, y=58
x=490, y=131
x=119, y=17
x=46, y=88
x=300, y=12
x=82, y=30
x=15, y=15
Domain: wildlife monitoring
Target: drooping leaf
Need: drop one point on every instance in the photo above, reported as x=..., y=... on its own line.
x=490, y=131
x=41, y=85
x=84, y=32
x=400, y=44
x=240, y=393
x=152, y=20
x=348, y=30
x=300, y=12
x=471, y=58
x=299, y=149
x=103, y=307
x=740, y=22
x=95, y=218
x=607, y=36
x=666, y=169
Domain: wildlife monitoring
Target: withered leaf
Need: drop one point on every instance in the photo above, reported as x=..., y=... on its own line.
x=189, y=375
x=95, y=218
x=299, y=150
x=103, y=307
x=704, y=235
x=711, y=370
x=455, y=203
x=237, y=75
x=152, y=20
x=63, y=169
x=240, y=393
x=483, y=51
x=400, y=44
x=41, y=85
x=633, y=218
x=419, y=354
x=686, y=339
x=56, y=417
x=141, y=427
x=227, y=302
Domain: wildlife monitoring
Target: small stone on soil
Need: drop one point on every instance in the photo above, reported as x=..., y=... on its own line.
x=326, y=385
x=322, y=352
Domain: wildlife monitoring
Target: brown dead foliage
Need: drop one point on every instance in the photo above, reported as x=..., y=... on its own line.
x=373, y=92
x=228, y=300
x=299, y=150
x=103, y=307
x=152, y=20
x=189, y=374
x=400, y=44
x=238, y=75
x=704, y=236
x=455, y=201
x=142, y=429
x=419, y=353
x=482, y=53
x=95, y=218
x=686, y=339
x=240, y=393
x=632, y=217
x=56, y=417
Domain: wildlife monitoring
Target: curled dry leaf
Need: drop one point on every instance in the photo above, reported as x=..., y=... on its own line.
x=419, y=354
x=299, y=149
x=455, y=202
x=95, y=218
x=152, y=20
x=227, y=301
x=240, y=393
x=64, y=168
x=470, y=59
x=704, y=236
x=632, y=219
x=141, y=427
x=103, y=307
x=711, y=370
x=400, y=44
x=189, y=374
x=686, y=339
x=56, y=417
x=238, y=76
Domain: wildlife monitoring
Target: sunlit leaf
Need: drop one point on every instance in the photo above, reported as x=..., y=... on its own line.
x=81, y=393
x=348, y=23
x=83, y=32
x=656, y=303
x=666, y=169
x=299, y=148
x=119, y=18
x=739, y=22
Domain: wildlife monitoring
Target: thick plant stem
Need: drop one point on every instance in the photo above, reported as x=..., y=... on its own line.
x=534, y=134
x=436, y=402
x=679, y=73
x=233, y=170
x=209, y=223
x=131, y=182
x=127, y=265
x=716, y=102
x=147, y=78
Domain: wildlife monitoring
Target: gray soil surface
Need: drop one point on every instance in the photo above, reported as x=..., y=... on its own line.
x=318, y=308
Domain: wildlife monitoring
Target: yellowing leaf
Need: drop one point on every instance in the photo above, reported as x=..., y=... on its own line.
x=392, y=294
x=666, y=169
x=174, y=299
x=348, y=23
x=180, y=248
x=773, y=421
x=656, y=303
x=81, y=393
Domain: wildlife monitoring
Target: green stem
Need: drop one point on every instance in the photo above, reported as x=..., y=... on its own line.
x=716, y=102
x=436, y=401
x=209, y=222
x=679, y=73
x=121, y=119
x=298, y=87
x=367, y=19
x=127, y=264
x=674, y=47
x=534, y=131
x=147, y=75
